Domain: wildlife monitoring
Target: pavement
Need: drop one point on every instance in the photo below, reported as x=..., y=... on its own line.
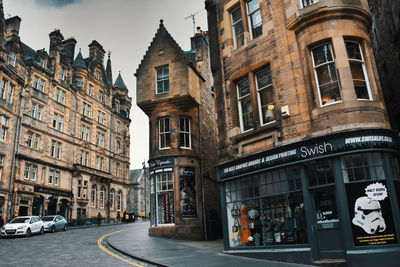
x=135, y=242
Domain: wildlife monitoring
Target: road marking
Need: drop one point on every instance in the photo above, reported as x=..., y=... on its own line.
x=113, y=254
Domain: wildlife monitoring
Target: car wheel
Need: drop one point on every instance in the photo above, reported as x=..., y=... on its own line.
x=28, y=232
x=53, y=229
x=42, y=230
x=65, y=227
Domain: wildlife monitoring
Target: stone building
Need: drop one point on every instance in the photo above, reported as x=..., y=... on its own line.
x=66, y=138
x=174, y=90
x=304, y=140
x=385, y=40
x=139, y=193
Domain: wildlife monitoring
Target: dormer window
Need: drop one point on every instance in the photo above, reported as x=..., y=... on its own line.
x=11, y=58
x=162, y=79
x=41, y=62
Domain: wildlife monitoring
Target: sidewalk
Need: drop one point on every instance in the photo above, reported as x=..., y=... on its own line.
x=135, y=242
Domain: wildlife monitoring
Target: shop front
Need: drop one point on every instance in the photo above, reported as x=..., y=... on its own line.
x=331, y=197
x=50, y=201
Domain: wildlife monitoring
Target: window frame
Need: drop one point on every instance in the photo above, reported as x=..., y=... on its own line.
x=185, y=132
x=4, y=128
x=162, y=79
x=249, y=18
x=233, y=24
x=240, y=99
x=259, y=90
x=164, y=133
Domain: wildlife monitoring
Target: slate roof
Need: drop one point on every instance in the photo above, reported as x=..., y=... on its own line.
x=135, y=175
x=79, y=61
x=26, y=50
x=119, y=83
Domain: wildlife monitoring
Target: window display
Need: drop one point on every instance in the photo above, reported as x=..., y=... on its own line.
x=266, y=209
x=162, y=198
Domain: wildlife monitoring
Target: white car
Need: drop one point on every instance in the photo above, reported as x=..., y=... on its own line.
x=24, y=225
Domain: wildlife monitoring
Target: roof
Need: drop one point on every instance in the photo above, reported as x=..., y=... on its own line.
x=119, y=83
x=26, y=50
x=79, y=62
x=136, y=175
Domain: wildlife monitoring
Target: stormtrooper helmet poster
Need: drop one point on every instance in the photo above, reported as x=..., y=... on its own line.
x=370, y=213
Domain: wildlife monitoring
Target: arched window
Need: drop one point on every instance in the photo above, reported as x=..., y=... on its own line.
x=93, y=196
x=102, y=193
x=119, y=200
x=112, y=199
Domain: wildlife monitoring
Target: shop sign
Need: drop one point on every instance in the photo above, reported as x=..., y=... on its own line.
x=187, y=184
x=371, y=213
x=308, y=149
x=51, y=191
x=160, y=162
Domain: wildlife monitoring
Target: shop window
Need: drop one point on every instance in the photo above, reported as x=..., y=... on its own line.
x=266, y=209
x=254, y=18
x=164, y=133
x=93, y=196
x=362, y=167
x=101, y=198
x=245, y=107
x=237, y=27
x=325, y=74
x=320, y=172
x=185, y=133
x=265, y=95
x=162, y=79
x=112, y=193
x=396, y=176
x=306, y=3
x=163, y=198
x=358, y=71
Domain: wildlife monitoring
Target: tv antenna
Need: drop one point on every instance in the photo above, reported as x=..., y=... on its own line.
x=192, y=16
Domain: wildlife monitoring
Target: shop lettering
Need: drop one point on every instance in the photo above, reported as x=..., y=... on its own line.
x=316, y=150
x=373, y=138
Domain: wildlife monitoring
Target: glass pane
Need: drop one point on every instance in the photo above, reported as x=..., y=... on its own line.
x=361, y=90
x=266, y=96
x=263, y=78
x=322, y=54
x=243, y=88
x=330, y=93
x=247, y=113
x=353, y=50
x=239, y=34
x=236, y=15
x=357, y=70
x=325, y=206
x=326, y=74
x=252, y=5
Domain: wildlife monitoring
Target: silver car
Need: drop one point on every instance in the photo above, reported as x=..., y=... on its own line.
x=53, y=223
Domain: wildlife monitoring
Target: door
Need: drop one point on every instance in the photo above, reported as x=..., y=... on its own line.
x=326, y=224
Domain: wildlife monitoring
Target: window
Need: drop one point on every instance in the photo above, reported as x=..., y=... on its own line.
x=60, y=96
x=57, y=178
x=101, y=96
x=82, y=155
x=1, y=167
x=265, y=95
x=78, y=195
x=185, y=133
x=79, y=81
x=102, y=193
x=100, y=117
x=33, y=173
x=43, y=174
x=119, y=200
x=58, y=122
x=39, y=112
x=164, y=133
x=86, y=159
x=112, y=199
x=117, y=129
x=11, y=58
x=118, y=147
x=254, y=18
x=162, y=79
x=99, y=163
x=362, y=167
x=358, y=71
x=27, y=171
x=37, y=142
x=117, y=170
x=100, y=139
x=84, y=195
x=237, y=27
x=85, y=133
x=62, y=75
x=41, y=85
x=41, y=62
x=93, y=196
x=35, y=82
x=36, y=111
x=245, y=107
x=51, y=176
x=325, y=74
x=3, y=88
x=4, y=128
x=90, y=89
x=86, y=109
x=30, y=139
x=10, y=93
x=306, y=3
x=163, y=197
x=55, y=149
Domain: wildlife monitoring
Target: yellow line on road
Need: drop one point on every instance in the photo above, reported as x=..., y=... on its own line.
x=113, y=254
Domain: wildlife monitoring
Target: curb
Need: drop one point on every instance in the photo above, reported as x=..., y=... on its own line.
x=94, y=226
x=134, y=256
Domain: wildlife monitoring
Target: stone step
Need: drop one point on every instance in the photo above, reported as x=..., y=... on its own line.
x=331, y=262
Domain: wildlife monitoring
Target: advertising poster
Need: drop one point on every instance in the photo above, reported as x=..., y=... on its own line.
x=370, y=213
x=188, y=192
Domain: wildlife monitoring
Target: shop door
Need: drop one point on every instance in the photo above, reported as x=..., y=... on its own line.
x=52, y=206
x=326, y=224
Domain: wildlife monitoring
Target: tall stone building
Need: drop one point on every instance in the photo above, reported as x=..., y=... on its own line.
x=385, y=40
x=65, y=134
x=304, y=140
x=174, y=90
x=139, y=193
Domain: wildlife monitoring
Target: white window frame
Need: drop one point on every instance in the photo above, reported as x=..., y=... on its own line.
x=62, y=74
x=43, y=174
x=259, y=90
x=162, y=79
x=240, y=99
x=3, y=88
x=119, y=200
x=166, y=180
x=186, y=131
x=42, y=85
x=27, y=171
x=112, y=204
x=34, y=172
x=4, y=128
x=102, y=197
x=163, y=135
x=29, y=142
x=10, y=93
x=57, y=178
x=234, y=37
x=249, y=16
x=60, y=96
x=12, y=58
x=51, y=176
x=93, y=195
x=36, y=142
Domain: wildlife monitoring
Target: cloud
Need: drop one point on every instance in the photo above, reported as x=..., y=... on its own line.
x=57, y=3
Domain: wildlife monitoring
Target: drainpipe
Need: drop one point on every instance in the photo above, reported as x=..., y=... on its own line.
x=201, y=177
x=109, y=164
x=73, y=156
x=15, y=149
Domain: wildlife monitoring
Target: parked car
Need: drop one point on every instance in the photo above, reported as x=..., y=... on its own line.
x=23, y=225
x=53, y=223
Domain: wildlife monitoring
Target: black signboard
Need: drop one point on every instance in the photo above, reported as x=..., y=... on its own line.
x=309, y=149
x=371, y=213
x=161, y=161
x=51, y=191
x=187, y=184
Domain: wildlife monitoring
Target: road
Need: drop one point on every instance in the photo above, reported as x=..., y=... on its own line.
x=75, y=247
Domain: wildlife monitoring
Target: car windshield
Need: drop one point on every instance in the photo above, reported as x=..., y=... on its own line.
x=47, y=219
x=21, y=220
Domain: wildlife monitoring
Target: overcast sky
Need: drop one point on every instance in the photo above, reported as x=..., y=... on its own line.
x=126, y=27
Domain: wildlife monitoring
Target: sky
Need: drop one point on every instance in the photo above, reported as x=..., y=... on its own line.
x=125, y=27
